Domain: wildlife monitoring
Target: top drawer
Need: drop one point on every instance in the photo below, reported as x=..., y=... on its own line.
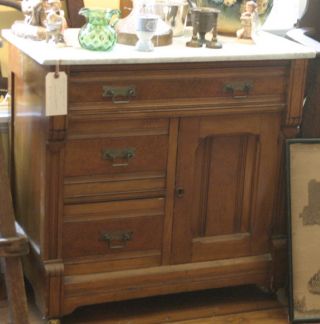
x=142, y=86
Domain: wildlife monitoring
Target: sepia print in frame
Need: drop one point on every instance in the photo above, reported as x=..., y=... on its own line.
x=303, y=179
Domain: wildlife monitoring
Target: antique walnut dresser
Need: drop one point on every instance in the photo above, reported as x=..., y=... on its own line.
x=164, y=175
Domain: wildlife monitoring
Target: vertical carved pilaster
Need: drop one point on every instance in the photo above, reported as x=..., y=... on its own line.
x=290, y=129
x=54, y=286
x=52, y=234
x=54, y=189
x=296, y=90
x=310, y=127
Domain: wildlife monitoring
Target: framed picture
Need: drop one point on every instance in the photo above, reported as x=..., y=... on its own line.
x=303, y=179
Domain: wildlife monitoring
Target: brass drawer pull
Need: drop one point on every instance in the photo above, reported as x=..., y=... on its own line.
x=239, y=87
x=115, y=155
x=117, y=240
x=119, y=95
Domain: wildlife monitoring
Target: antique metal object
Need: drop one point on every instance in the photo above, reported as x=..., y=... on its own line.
x=174, y=13
x=119, y=94
x=119, y=157
x=239, y=89
x=204, y=20
x=117, y=240
x=195, y=20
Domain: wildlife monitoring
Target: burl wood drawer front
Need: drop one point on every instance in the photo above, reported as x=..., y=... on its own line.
x=116, y=155
x=112, y=228
x=117, y=159
x=123, y=88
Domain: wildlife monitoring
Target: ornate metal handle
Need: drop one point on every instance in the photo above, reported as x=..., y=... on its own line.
x=119, y=95
x=239, y=87
x=117, y=240
x=114, y=155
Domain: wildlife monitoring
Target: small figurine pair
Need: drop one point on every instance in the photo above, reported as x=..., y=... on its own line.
x=43, y=17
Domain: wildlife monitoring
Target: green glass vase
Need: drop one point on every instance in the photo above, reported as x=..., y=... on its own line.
x=98, y=34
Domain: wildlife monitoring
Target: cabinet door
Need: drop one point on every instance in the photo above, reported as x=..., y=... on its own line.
x=226, y=176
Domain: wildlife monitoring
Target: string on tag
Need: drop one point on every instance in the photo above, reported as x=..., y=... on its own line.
x=56, y=72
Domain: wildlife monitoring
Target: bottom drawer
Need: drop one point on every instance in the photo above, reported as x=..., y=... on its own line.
x=121, y=227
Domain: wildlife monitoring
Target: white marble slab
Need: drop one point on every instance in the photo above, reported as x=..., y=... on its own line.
x=267, y=47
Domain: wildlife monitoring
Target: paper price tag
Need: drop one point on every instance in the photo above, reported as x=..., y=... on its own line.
x=56, y=94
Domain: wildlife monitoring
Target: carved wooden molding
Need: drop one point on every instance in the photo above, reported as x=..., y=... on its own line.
x=54, y=273
x=54, y=201
x=296, y=90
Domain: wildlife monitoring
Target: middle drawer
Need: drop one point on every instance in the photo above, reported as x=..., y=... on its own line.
x=107, y=160
x=110, y=155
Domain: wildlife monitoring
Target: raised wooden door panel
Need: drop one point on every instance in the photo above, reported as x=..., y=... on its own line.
x=226, y=175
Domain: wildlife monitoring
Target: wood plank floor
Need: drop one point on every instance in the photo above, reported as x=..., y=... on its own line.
x=245, y=305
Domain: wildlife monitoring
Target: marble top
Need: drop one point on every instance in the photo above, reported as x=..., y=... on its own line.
x=266, y=47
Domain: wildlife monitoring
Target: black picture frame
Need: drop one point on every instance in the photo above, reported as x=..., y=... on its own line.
x=303, y=189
